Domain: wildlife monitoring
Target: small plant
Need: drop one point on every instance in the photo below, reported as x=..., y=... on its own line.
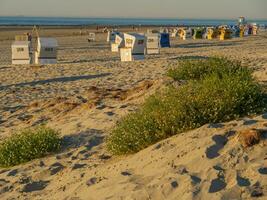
x=27, y=145
x=198, y=69
x=217, y=97
x=249, y=137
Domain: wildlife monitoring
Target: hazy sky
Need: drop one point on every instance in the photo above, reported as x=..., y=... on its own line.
x=254, y=9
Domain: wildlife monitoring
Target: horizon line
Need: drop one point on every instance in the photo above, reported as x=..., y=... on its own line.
x=123, y=17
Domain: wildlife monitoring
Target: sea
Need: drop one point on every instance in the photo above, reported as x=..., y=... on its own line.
x=63, y=21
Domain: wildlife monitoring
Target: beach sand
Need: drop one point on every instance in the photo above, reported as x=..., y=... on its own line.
x=89, y=90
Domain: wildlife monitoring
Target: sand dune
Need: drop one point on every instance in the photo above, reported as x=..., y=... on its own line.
x=89, y=90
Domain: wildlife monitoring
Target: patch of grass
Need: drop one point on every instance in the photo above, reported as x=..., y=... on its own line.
x=27, y=145
x=215, y=98
x=198, y=69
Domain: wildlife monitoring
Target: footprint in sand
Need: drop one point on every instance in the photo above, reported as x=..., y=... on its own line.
x=256, y=190
x=215, y=126
x=263, y=170
x=13, y=172
x=104, y=157
x=213, y=151
x=94, y=141
x=126, y=173
x=242, y=182
x=78, y=166
x=217, y=185
x=94, y=180
x=123, y=106
x=249, y=122
x=174, y=184
x=55, y=168
x=35, y=186
x=195, y=180
x=110, y=114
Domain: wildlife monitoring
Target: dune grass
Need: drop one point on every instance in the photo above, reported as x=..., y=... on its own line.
x=198, y=69
x=27, y=145
x=218, y=96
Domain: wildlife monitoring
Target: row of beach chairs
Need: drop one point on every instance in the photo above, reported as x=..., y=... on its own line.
x=221, y=32
x=132, y=46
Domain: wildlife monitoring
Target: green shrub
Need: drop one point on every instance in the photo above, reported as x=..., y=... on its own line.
x=27, y=145
x=198, y=69
x=218, y=97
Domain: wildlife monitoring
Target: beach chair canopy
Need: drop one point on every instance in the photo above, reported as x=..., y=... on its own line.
x=47, y=42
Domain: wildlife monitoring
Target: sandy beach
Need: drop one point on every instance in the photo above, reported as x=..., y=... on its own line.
x=89, y=90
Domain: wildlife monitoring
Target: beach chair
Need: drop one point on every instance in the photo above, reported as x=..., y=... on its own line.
x=174, y=33
x=255, y=30
x=242, y=31
x=91, y=37
x=235, y=31
x=134, y=47
x=225, y=33
x=250, y=30
x=152, y=43
x=111, y=36
x=119, y=42
x=186, y=34
x=165, y=40
x=212, y=33
x=46, y=51
x=198, y=33
x=21, y=52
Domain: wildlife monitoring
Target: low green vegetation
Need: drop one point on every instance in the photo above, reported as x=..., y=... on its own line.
x=27, y=145
x=217, y=96
x=198, y=69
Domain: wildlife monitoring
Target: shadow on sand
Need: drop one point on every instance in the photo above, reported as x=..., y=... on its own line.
x=205, y=44
x=109, y=59
x=89, y=138
x=190, y=57
x=55, y=80
x=1, y=68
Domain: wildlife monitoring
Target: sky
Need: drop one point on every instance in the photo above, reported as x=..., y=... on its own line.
x=194, y=9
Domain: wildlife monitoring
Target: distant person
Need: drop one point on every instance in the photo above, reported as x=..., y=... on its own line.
x=29, y=37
